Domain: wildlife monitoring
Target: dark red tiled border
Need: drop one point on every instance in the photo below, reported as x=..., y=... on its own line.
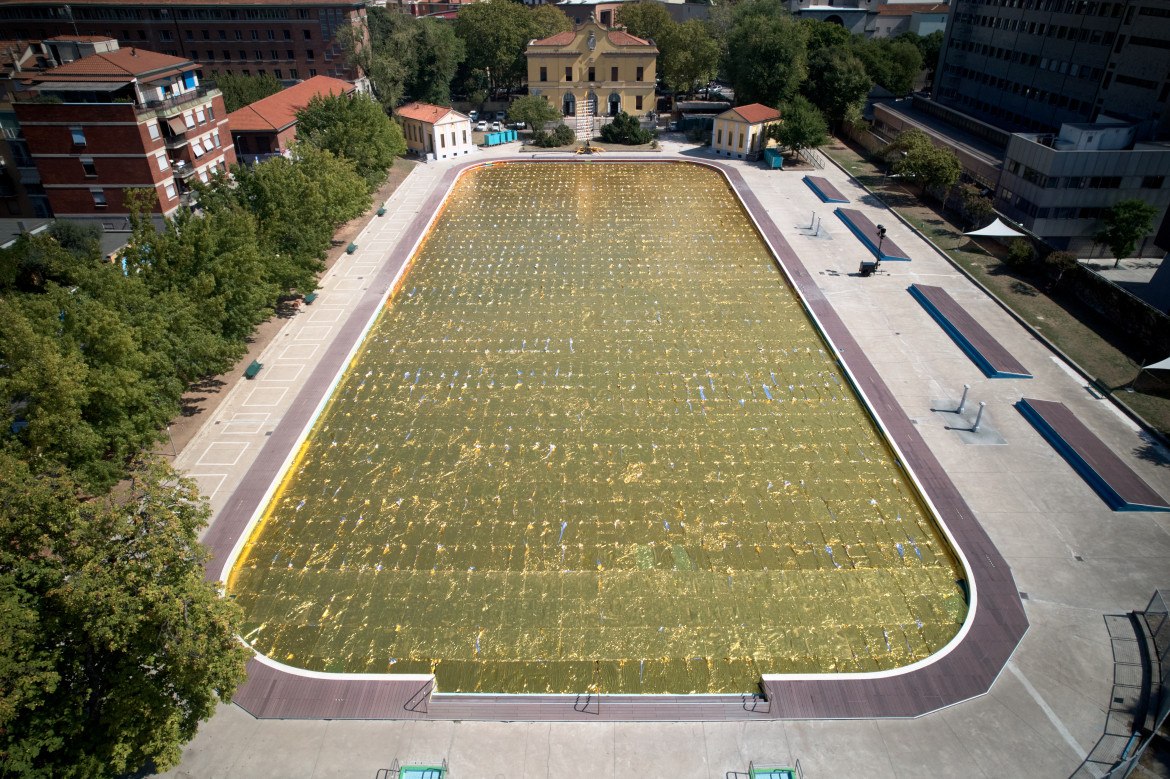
x=997, y=620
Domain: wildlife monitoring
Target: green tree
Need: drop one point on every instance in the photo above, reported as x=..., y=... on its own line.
x=298, y=205
x=355, y=128
x=928, y=46
x=122, y=647
x=532, y=110
x=239, y=91
x=822, y=35
x=931, y=167
x=383, y=50
x=439, y=51
x=547, y=20
x=1124, y=224
x=976, y=205
x=766, y=60
x=496, y=33
x=894, y=65
x=1062, y=263
x=802, y=126
x=626, y=130
x=836, y=81
x=688, y=55
x=646, y=19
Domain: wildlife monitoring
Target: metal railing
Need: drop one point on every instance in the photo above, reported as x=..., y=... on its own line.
x=1129, y=726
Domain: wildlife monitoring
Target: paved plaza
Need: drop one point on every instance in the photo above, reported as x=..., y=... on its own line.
x=1073, y=559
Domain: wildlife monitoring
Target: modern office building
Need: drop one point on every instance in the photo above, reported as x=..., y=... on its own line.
x=1033, y=65
x=1058, y=107
x=876, y=18
x=115, y=119
x=290, y=39
x=603, y=69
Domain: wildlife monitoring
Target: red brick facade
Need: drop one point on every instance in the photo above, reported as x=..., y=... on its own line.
x=118, y=151
x=292, y=40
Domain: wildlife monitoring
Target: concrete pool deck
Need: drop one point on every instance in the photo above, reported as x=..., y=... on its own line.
x=1074, y=557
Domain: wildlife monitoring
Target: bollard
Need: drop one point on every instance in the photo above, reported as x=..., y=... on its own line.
x=812, y=221
x=978, y=418
x=963, y=402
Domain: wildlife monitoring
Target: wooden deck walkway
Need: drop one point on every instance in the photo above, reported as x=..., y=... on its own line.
x=986, y=352
x=866, y=232
x=825, y=190
x=1089, y=456
x=967, y=668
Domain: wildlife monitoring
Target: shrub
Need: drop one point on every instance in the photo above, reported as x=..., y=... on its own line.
x=562, y=134
x=625, y=129
x=1020, y=253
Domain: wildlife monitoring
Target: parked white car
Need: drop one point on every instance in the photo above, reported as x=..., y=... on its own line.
x=481, y=126
x=496, y=127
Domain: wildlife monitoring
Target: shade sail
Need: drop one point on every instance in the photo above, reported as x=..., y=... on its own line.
x=996, y=229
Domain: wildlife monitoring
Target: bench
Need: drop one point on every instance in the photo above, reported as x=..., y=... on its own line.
x=1090, y=457
x=251, y=371
x=989, y=354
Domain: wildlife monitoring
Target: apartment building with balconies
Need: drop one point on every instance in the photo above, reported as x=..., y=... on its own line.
x=120, y=119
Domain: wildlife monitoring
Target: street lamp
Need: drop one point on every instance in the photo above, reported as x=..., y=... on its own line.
x=881, y=230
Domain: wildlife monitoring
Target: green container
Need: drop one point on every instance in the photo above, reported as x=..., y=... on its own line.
x=351, y=248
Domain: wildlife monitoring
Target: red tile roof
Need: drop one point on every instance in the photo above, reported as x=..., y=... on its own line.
x=122, y=64
x=905, y=9
x=756, y=112
x=81, y=38
x=279, y=111
x=623, y=38
x=560, y=39
x=423, y=112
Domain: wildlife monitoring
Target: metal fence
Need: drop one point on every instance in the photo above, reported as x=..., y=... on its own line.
x=1141, y=691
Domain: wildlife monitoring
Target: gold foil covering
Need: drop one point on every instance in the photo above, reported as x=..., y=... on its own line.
x=594, y=443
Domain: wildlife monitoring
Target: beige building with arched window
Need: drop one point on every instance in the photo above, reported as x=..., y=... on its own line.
x=605, y=68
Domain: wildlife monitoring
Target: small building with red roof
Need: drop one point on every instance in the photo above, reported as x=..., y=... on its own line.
x=594, y=69
x=434, y=131
x=269, y=125
x=742, y=132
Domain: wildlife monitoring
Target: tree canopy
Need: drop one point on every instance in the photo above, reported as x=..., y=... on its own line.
x=496, y=33
x=1124, y=224
x=766, y=62
x=688, y=56
x=533, y=110
x=112, y=646
x=917, y=159
x=624, y=129
x=239, y=91
x=837, y=81
x=893, y=64
x=645, y=19
x=802, y=126
x=355, y=128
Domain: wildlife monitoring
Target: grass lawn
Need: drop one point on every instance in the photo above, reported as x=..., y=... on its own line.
x=1103, y=351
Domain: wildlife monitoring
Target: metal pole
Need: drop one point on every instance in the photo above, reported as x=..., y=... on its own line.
x=978, y=418
x=963, y=402
x=818, y=227
x=813, y=220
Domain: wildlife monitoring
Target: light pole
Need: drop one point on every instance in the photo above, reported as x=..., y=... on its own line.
x=881, y=231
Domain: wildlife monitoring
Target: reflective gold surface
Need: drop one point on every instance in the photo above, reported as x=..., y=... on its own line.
x=595, y=443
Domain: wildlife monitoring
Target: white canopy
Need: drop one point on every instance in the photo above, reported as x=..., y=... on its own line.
x=1161, y=365
x=996, y=229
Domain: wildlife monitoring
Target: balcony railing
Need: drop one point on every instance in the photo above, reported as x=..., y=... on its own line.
x=173, y=105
